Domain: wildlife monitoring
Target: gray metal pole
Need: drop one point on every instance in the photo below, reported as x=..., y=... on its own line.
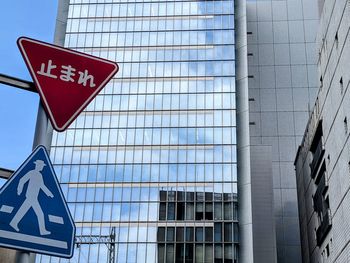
x=22, y=257
x=43, y=136
x=43, y=130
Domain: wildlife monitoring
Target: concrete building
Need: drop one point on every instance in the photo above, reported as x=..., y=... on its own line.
x=282, y=58
x=322, y=163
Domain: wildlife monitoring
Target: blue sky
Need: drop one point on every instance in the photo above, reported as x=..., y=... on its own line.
x=18, y=108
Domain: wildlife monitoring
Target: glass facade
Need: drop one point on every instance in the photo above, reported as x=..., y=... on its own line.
x=149, y=168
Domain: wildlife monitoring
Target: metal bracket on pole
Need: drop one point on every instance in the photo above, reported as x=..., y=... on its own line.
x=18, y=83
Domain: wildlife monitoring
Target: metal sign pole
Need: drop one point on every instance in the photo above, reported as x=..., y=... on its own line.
x=43, y=136
x=43, y=130
x=24, y=257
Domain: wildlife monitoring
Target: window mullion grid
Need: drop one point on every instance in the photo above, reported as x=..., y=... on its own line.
x=118, y=151
x=151, y=135
x=134, y=141
x=113, y=201
x=99, y=152
x=88, y=168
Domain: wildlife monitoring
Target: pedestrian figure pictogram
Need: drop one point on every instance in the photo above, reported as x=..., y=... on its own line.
x=33, y=213
x=35, y=184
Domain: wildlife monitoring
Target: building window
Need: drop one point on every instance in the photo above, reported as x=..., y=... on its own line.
x=346, y=125
x=336, y=40
x=208, y=234
x=179, y=234
x=327, y=251
x=161, y=234
x=162, y=211
x=218, y=232
x=341, y=86
x=317, y=150
x=171, y=211
x=199, y=234
x=180, y=215
x=199, y=211
x=189, y=234
x=170, y=234
x=208, y=211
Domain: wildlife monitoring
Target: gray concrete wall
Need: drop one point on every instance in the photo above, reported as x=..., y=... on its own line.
x=262, y=203
x=283, y=85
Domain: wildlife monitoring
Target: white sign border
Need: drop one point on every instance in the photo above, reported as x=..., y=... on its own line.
x=32, y=73
x=70, y=255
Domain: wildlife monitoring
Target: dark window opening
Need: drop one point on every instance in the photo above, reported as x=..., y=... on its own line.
x=228, y=232
x=327, y=251
x=170, y=234
x=189, y=211
x=162, y=195
x=169, y=253
x=336, y=39
x=341, y=85
x=346, y=125
x=218, y=211
x=208, y=234
x=189, y=233
x=161, y=252
x=218, y=232
x=180, y=211
x=208, y=211
x=189, y=196
x=180, y=253
x=189, y=253
x=228, y=211
x=161, y=234
x=218, y=255
x=199, y=211
x=171, y=211
x=180, y=234
x=199, y=234
x=162, y=211
x=317, y=149
x=171, y=195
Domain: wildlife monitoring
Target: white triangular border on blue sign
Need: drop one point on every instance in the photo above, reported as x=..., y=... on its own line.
x=46, y=252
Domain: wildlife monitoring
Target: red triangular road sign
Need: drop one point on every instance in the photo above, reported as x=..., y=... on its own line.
x=66, y=80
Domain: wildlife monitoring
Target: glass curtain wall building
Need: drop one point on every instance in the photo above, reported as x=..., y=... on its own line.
x=149, y=168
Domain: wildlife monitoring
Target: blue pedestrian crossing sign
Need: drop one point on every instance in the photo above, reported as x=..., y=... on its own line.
x=33, y=212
